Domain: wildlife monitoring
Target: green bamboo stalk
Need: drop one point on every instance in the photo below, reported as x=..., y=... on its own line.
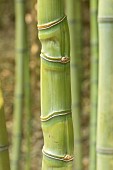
x=55, y=86
x=27, y=112
x=94, y=81
x=4, y=154
x=74, y=12
x=105, y=101
x=21, y=50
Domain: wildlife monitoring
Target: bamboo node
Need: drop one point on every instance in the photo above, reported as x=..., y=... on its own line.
x=65, y=158
x=68, y=158
x=51, y=24
x=62, y=60
x=55, y=114
x=105, y=151
x=4, y=148
x=105, y=19
x=65, y=59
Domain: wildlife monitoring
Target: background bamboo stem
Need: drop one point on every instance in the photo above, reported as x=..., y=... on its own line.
x=21, y=50
x=74, y=12
x=105, y=101
x=4, y=155
x=28, y=115
x=94, y=81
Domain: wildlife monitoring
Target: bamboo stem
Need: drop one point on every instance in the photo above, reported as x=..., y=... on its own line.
x=4, y=155
x=55, y=86
x=94, y=81
x=21, y=50
x=105, y=101
x=74, y=12
x=27, y=112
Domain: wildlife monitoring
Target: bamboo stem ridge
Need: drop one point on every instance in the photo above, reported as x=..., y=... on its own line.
x=4, y=155
x=105, y=101
x=56, y=114
x=94, y=81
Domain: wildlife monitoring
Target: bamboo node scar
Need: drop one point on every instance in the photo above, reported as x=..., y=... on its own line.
x=51, y=24
x=61, y=59
x=66, y=158
x=55, y=114
x=4, y=148
x=106, y=19
x=105, y=151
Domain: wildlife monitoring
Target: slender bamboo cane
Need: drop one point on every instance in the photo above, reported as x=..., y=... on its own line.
x=105, y=102
x=74, y=12
x=28, y=112
x=4, y=155
x=94, y=81
x=21, y=50
x=55, y=86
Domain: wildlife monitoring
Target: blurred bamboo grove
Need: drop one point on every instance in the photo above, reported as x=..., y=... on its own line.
x=19, y=40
